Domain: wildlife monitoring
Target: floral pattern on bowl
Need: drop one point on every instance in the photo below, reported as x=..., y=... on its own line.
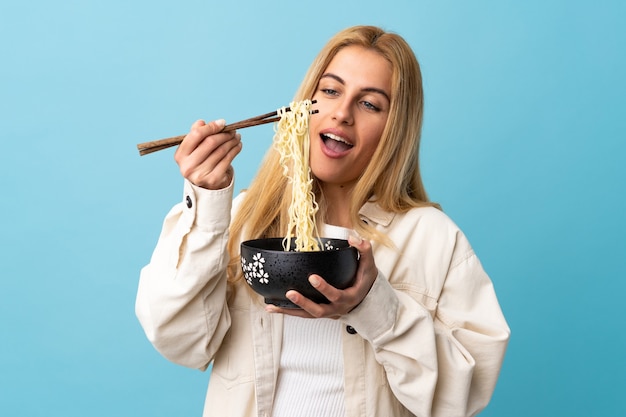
x=271, y=271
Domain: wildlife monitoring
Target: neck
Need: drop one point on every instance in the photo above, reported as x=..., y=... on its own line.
x=338, y=204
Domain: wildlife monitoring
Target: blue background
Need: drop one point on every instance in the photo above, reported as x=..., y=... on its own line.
x=523, y=145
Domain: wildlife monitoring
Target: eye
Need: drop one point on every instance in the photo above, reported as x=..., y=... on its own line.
x=329, y=91
x=370, y=106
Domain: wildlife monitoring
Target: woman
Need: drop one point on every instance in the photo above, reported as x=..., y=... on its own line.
x=420, y=333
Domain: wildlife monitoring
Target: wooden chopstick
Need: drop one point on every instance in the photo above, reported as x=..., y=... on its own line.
x=157, y=145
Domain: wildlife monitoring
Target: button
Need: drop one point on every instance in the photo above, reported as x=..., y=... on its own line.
x=351, y=330
x=188, y=201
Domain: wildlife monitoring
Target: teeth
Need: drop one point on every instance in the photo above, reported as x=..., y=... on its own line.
x=337, y=138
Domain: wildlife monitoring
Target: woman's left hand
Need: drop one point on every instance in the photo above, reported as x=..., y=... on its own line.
x=341, y=301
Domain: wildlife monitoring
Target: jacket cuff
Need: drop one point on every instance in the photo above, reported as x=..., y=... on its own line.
x=207, y=209
x=377, y=312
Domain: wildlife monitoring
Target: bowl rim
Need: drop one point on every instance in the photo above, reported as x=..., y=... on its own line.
x=322, y=240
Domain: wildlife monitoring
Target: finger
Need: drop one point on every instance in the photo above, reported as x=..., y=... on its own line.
x=364, y=247
x=198, y=123
x=331, y=293
x=217, y=147
x=214, y=172
x=198, y=132
x=207, y=153
x=357, y=242
x=229, y=150
x=221, y=176
x=309, y=306
x=215, y=155
x=182, y=149
x=367, y=270
x=297, y=312
x=337, y=305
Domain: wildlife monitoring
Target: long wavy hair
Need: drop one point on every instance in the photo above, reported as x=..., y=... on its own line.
x=392, y=179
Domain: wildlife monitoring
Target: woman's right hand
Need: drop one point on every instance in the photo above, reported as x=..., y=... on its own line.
x=206, y=154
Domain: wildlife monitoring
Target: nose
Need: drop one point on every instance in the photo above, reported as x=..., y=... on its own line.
x=342, y=112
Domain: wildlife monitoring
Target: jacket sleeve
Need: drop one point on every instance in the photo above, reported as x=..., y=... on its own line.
x=442, y=352
x=181, y=298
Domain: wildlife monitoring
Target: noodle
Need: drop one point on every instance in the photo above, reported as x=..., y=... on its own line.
x=292, y=140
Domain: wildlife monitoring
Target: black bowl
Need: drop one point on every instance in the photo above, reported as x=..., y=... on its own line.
x=271, y=271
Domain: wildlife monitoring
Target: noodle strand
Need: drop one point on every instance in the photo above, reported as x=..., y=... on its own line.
x=292, y=141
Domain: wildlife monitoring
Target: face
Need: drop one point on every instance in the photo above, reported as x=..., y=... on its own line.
x=353, y=99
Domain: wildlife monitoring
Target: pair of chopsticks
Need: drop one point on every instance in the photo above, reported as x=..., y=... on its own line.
x=157, y=145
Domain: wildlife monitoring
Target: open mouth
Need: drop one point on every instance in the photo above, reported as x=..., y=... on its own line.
x=335, y=143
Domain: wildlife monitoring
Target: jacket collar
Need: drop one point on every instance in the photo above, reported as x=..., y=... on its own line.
x=373, y=212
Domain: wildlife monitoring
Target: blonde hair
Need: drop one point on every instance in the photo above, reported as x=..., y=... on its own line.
x=392, y=179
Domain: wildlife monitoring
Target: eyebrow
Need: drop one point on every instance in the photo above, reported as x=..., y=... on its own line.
x=368, y=89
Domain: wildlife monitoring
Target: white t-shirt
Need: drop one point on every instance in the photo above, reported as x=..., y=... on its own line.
x=310, y=379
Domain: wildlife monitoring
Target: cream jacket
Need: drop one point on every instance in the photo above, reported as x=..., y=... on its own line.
x=428, y=340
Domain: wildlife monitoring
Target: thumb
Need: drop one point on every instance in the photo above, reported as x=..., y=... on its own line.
x=217, y=125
